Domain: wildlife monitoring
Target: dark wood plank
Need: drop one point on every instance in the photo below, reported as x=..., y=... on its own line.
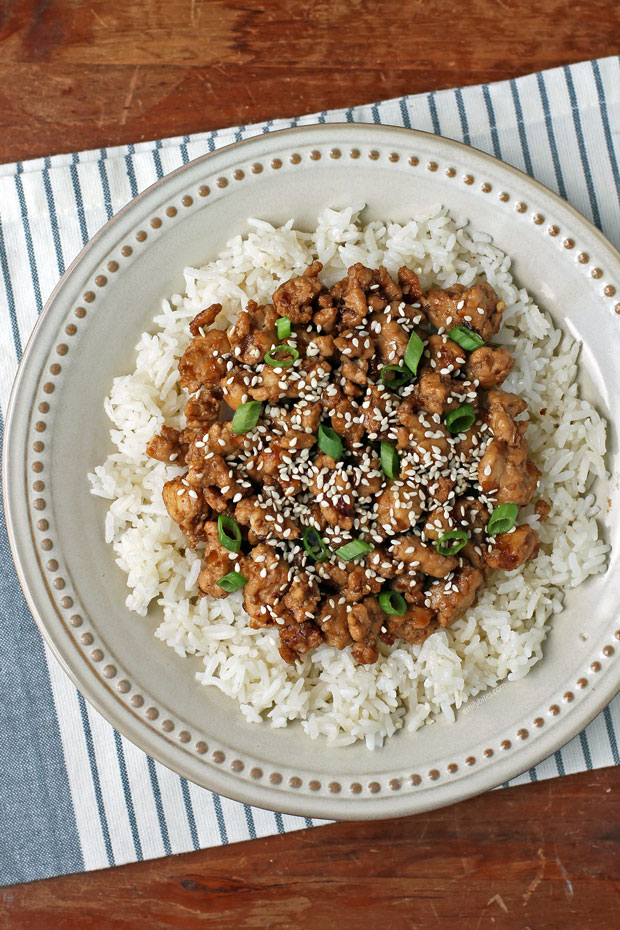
x=541, y=856
x=122, y=72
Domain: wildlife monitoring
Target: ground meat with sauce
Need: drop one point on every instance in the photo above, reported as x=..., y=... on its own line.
x=451, y=597
x=510, y=550
x=167, y=446
x=351, y=497
x=489, y=367
x=476, y=307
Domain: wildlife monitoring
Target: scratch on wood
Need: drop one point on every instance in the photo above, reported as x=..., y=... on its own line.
x=206, y=82
x=497, y=898
x=568, y=885
x=129, y=97
x=533, y=885
x=98, y=18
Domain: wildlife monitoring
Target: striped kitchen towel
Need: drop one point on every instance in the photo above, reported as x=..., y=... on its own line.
x=74, y=794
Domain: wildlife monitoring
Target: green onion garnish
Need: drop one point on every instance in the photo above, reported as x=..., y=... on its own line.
x=329, y=442
x=466, y=338
x=246, y=417
x=393, y=603
x=281, y=363
x=314, y=545
x=502, y=519
x=283, y=327
x=353, y=550
x=395, y=376
x=452, y=542
x=390, y=461
x=413, y=353
x=459, y=420
x=228, y=532
x=231, y=582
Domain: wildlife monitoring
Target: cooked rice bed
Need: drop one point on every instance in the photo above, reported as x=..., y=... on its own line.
x=500, y=637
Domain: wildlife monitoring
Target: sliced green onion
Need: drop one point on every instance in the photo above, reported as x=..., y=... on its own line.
x=329, y=442
x=283, y=327
x=452, y=542
x=390, y=461
x=231, y=582
x=281, y=363
x=314, y=545
x=246, y=417
x=395, y=376
x=228, y=532
x=353, y=550
x=502, y=519
x=393, y=603
x=466, y=338
x=413, y=353
x=460, y=420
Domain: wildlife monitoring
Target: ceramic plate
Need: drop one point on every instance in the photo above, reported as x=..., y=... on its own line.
x=57, y=432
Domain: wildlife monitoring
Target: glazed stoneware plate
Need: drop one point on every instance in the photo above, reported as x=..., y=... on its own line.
x=57, y=432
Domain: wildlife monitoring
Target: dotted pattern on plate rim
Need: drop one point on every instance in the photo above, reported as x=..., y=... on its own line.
x=110, y=674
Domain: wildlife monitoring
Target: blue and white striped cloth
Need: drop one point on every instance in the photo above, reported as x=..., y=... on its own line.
x=74, y=794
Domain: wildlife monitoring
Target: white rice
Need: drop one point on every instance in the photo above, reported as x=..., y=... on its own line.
x=500, y=638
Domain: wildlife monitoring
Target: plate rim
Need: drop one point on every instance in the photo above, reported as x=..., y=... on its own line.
x=91, y=685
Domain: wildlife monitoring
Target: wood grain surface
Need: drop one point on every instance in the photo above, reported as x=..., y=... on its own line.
x=537, y=857
x=77, y=75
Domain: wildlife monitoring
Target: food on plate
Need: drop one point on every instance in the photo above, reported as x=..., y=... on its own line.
x=527, y=455
x=370, y=472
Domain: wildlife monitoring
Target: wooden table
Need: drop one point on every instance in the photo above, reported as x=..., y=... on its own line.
x=77, y=75
x=537, y=857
